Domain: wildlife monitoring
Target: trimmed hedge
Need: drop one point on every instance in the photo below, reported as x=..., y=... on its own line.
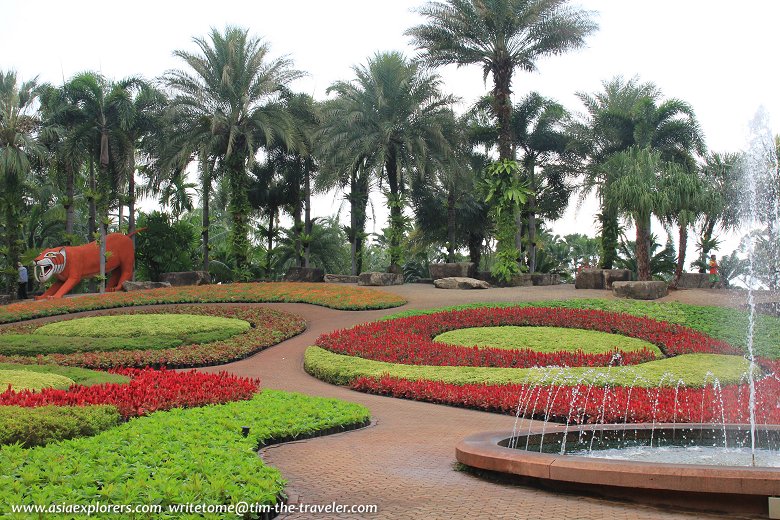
x=26, y=380
x=35, y=344
x=81, y=376
x=174, y=457
x=39, y=426
x=693, y=369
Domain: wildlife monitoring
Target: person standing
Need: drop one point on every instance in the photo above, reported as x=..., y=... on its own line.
x=714, y=277
x=23, y=278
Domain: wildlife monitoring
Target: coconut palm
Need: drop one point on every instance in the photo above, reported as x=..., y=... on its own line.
x=228, y=104
x=502, y=36
x=396, y=114
x=19, y=150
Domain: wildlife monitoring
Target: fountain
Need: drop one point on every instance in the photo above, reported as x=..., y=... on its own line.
x=713, y=466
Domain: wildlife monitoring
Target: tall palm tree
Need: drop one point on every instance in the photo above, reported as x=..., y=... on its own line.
x=228, y=103
x=502, y=36
x=399, y=112
x=627, y=114
x=19, y=149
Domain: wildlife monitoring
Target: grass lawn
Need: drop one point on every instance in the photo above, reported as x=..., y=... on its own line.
x=544, y=339
x=25, y=380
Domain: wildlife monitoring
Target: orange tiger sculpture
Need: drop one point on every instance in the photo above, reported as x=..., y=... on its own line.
x=71, y=264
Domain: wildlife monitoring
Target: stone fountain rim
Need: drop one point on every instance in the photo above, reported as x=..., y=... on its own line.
x=483, y=451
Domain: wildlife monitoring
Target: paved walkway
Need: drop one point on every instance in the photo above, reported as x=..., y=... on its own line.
x=405, y=462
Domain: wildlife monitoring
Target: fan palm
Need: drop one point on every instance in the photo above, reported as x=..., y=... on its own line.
x=396, y=116
x=228, y=104
x=502, y=36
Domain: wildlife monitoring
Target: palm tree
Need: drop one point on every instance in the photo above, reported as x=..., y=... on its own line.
x=397, y=115
x=623, y=115
x=19, y=149
x=228, y=104
x=500, y=35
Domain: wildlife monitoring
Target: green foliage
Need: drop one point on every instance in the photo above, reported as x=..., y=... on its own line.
x=35, y=344
x=544, y=339
x=25, y=380
x=174, y=457
x=81, y=376
x=693, y=369
x=186, y=327
x=662, y=263
x=730, y=325
x=44, y=424
x=505, y=193
x=731, y=267
x=165, y=246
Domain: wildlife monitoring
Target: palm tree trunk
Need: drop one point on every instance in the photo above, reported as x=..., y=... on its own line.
x=269, y=251
x=609, y=238
x=642, y=251
x=297, y=230
x=92, y=225
x=475, y=248
x=12, y=238
x=502, y=105
x=532, y=220
x=353, y=217
x=239, y=210
x=131, y=196
x=307, y=218
x=360, y=222
x=205, y=222
x=678, y=271
x=451, y=224
x=70, y=195
x=396, y=215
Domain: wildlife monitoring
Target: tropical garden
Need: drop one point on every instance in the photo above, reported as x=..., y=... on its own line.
x=232, y=155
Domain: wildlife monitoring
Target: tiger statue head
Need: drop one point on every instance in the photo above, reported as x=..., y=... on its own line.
x=49, y=263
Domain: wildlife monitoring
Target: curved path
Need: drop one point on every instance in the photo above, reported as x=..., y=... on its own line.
x=405, y=462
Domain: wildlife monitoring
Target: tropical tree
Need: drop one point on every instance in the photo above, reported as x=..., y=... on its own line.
x=19, y=150
x=227, y=104
x=397, y=117
x=502, y=36
x=630, y=114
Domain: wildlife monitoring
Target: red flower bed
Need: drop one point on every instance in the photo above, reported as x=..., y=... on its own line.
x=269, y=327
x=148, y=391
x=410, y=340
x=584, y=404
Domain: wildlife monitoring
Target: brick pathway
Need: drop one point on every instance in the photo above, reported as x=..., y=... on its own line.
x=404, y=463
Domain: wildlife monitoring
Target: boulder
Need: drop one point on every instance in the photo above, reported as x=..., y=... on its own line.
x=142, y=286
x=651, y=290
x=589, y=279
x=694, y=281
x=545, y=279
x=304, y=274
x=340, y=278
x=460, y=282
x=380, y=279
x=459, y=269
x=5, y=299
x=186, y=278
x=615, y=275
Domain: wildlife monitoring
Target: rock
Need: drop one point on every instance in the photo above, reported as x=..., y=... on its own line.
x=380, y=279
x=340, y=278
x=545, y=279
x=304, y=274
x=640, y=290
x=460, y=282
x=186, y=278
x=459, y=269
x=615, y=275
x=589, y=279
x=694, y=281
x=142, y=286
x=5, y=299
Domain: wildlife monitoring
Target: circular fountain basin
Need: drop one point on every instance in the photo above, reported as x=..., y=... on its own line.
x=726, y=488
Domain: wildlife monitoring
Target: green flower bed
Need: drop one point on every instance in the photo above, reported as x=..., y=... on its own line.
x=176, y=457
x=38, y=426
x=25, y=380
x=729, y=325
x=335, y=296
x=180, y=326
x=38, y=344
x=544, y=339
x=80, y=376
x=692, y=369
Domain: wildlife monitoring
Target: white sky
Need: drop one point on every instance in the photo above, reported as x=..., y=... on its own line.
x=719, y=56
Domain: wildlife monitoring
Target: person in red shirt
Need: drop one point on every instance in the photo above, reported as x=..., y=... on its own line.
x=714, y=277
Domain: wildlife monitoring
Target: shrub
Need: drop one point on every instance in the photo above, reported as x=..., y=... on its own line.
x=164, y=246
x=35, y=344
x=80, y=376
x=26, y=380
x=175, y=457
x=39, y=426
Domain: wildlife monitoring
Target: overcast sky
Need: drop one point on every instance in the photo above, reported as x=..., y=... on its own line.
x=719, y=56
